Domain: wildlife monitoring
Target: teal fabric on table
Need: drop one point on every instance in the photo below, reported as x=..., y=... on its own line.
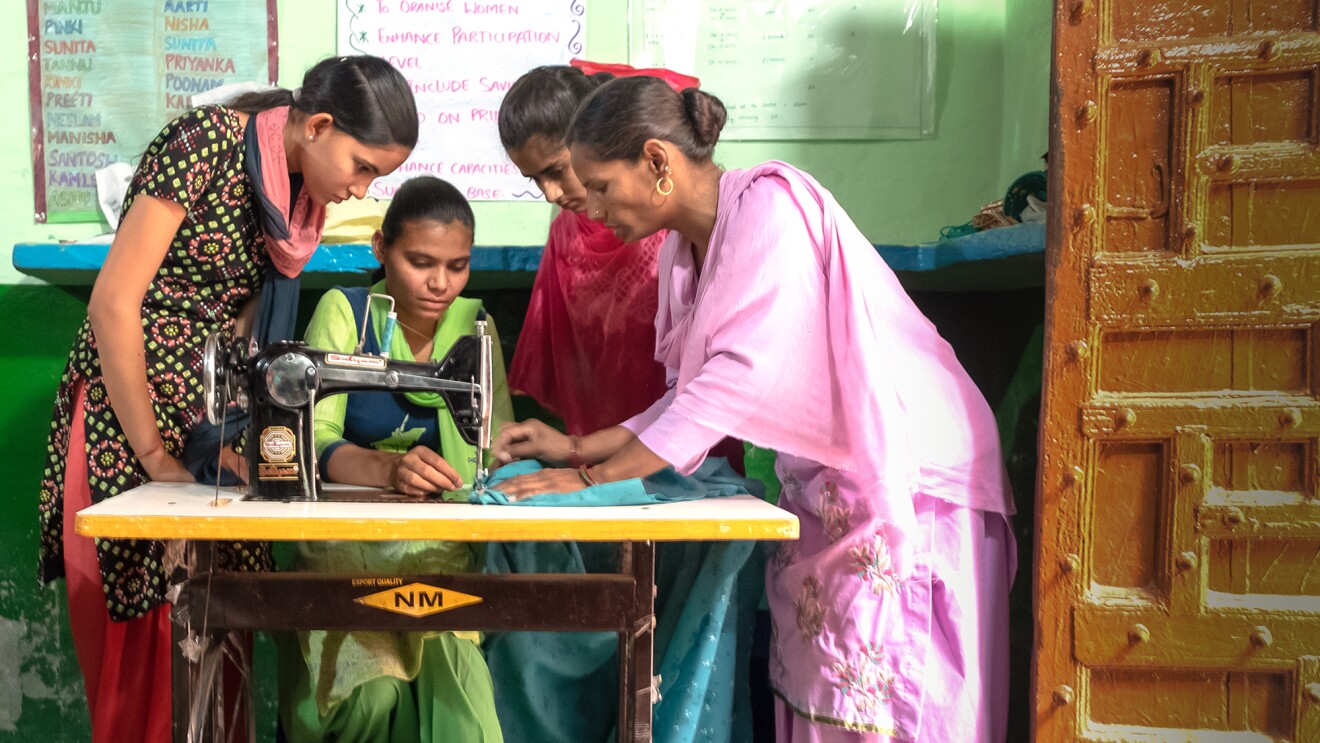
x=713, y=478
x=555, y=687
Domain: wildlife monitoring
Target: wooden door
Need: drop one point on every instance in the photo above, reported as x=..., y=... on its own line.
x=1178, y=561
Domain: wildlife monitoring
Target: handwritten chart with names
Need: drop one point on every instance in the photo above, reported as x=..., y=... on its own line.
x=461, y=56
x=800, y=69
x=106, y=75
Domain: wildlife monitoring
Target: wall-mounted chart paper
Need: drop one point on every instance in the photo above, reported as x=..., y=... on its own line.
x=460, y=57
x=106, y=75
x=800, y=69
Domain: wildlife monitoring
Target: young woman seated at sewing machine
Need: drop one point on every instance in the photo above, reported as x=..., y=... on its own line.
x=379, y=686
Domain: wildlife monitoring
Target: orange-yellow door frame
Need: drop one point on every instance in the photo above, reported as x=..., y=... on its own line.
x=1177, y=575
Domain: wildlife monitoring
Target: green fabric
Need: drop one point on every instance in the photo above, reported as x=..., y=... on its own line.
x=351, y=669
x=760, y=466
x=1023, y=389
x=450, y=699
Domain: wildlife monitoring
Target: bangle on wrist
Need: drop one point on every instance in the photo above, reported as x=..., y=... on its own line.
x=575, y=452
x=586, y=476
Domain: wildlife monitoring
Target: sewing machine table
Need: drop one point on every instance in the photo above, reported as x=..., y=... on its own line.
x=621, y=602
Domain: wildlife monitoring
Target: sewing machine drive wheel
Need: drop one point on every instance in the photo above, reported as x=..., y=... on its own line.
x=223, y=365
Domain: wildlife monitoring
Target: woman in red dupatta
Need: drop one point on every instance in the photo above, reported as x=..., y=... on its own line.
x=587, y=347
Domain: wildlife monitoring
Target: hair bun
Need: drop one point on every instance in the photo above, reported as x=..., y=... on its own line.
x=707, y=115
x=615, y=122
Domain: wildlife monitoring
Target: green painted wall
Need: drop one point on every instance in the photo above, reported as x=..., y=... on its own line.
x=1026, y=81
x=991, y=126
x=41, y=694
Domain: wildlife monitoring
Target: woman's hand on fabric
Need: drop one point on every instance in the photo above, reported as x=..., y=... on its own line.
x=542, y=481
x=161, y=467
x=422, y=471
x=531, y=439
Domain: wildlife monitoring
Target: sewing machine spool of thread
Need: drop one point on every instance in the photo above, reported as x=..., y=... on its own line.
x=485, y=405
x=387, y=331
x=387, y=334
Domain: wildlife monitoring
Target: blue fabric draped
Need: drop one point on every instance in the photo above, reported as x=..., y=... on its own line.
x=563, y=687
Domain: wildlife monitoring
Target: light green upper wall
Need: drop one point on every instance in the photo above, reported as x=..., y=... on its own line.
x=1026, y=82
x=991, y=125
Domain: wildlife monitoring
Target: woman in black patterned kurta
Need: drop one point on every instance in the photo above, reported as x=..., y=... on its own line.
x=198, y=234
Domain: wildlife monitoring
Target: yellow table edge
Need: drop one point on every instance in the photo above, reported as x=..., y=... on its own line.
x=293, y=528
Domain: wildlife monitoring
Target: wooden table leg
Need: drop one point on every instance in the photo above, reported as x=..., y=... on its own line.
x=637, y=645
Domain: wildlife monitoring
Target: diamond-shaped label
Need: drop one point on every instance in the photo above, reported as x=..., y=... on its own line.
x=418, y=600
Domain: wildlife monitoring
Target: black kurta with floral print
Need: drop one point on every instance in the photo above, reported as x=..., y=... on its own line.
x=214, y=265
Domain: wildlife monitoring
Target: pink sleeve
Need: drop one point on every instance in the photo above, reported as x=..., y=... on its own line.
x=757, y=320
x=645, y=418
x=673, y=437
x=679, y=440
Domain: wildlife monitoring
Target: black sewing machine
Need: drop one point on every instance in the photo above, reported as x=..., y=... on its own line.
x=281, y=383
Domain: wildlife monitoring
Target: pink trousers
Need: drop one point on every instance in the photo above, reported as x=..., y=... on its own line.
x=125, y=665
x=973, y=563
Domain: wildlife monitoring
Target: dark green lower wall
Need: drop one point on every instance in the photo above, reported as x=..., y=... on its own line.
x=41, y=692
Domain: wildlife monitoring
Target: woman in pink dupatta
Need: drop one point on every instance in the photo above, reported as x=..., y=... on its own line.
x=779, y=324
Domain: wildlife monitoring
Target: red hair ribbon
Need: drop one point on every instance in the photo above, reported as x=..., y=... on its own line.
x=677, y=80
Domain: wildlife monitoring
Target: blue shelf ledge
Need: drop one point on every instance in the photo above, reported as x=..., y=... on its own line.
x=76, y=264
x=997, y=259
x=1001, y=242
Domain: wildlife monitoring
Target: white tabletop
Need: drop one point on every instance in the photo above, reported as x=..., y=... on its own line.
x=192, y=511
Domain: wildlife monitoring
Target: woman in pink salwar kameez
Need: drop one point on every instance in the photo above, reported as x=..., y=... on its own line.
x=780, y=325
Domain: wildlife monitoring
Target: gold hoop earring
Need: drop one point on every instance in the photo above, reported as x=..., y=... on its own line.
x=659, y=185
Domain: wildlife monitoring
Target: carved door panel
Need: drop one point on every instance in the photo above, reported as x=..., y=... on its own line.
x=1178, y=560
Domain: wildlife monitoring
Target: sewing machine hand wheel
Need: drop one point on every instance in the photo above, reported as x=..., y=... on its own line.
x=224, y=364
